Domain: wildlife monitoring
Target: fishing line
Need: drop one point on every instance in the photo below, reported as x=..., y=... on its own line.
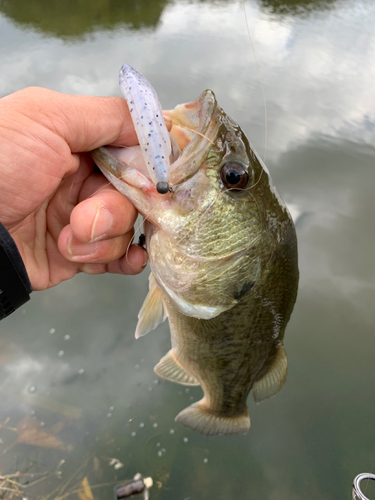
x=139, y=226
x=82, y=182
x=368, y=480
x=169, y=120
x=261, y=82
x=179, y=354
x=70, y=192
x=99, y=189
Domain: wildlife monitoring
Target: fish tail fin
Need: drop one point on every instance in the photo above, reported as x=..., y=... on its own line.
x=199, y=418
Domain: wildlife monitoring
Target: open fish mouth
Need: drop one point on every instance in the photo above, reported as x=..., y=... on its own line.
x=194, y=127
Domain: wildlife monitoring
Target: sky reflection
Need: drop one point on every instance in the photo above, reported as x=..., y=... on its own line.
x=318, y=69
x=316, y=80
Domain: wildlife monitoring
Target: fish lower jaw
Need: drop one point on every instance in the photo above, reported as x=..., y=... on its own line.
x=121, y=175
x=200, y=418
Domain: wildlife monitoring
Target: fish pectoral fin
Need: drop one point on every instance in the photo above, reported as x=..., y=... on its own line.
x=199, y=418
x=169, y=368
x=153, y=311
x=271, y=383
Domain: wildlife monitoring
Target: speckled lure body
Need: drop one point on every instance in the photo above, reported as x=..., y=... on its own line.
x=147, y=116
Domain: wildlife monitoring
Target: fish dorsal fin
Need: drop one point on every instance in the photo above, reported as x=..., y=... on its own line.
x=169, y=368
x=199, y=418
x=153, y=310
x=273, y=380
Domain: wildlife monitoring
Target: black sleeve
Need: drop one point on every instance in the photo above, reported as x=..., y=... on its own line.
x=15, y=287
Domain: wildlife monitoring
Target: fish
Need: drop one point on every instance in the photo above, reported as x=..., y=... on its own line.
x=224, y=268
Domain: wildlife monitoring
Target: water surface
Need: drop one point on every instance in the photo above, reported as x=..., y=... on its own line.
x=70, y=366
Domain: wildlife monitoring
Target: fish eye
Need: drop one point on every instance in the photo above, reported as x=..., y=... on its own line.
x=234, y=176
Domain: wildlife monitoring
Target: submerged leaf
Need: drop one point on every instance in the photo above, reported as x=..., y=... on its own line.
x=85, y=493
x=29, y=432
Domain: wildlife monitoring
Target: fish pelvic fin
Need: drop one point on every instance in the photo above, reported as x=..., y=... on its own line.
x=153, y=310
x=169, y=368
x=271, y=383
x=199, y=418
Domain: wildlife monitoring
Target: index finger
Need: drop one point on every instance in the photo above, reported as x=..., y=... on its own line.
x=84, y=122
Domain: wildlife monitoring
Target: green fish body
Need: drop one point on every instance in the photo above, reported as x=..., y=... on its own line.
x=223, y=254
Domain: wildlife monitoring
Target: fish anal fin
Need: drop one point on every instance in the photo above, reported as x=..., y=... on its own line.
x=199, y=418
x=170, y=369
x=152, y=312
x=271, y=383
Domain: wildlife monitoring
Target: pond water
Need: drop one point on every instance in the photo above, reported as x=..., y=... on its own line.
x=76, y=386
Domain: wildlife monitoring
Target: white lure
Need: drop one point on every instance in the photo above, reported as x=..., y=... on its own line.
x=147, y=115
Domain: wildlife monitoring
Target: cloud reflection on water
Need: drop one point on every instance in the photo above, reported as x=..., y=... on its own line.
x=316, y=81
x=318, y=70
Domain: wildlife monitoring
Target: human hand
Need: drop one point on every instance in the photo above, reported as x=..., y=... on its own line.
x=63, y=216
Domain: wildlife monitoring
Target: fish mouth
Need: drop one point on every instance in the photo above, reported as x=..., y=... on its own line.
x=194, y=127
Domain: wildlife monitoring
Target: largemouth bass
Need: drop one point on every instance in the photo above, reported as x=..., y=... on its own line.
x=223, y=254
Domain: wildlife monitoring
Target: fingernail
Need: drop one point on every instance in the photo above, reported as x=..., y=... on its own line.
x=145, y=261
x=78, y=248
x=102, y=223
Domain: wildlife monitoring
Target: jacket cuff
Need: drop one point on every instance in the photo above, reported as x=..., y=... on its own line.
x=15, y=287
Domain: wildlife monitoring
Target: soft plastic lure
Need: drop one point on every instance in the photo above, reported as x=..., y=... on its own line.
x=147, y=116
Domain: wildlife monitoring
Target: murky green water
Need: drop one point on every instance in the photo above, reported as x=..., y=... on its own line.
x=70, y=366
